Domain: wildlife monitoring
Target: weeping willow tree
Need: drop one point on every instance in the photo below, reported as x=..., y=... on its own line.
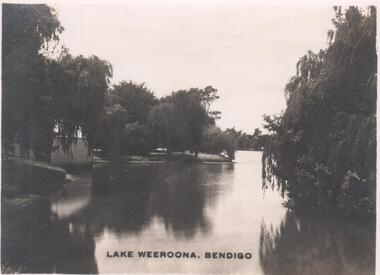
x=323, y=149
x=80, y=85
x=44, y=87
x=29, y=34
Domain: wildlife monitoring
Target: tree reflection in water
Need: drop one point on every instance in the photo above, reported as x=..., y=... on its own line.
x=72, y=247
x=122, y=199
x=174, y=192
x=41, y=244
x=309, y=245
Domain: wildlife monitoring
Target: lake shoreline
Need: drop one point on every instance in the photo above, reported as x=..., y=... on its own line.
x=184, y=157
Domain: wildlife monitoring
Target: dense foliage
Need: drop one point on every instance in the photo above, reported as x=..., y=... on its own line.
x=135, y=122
x=46, y=91
x=124, y=127
x=178, y=120
x=80, y=85
x=244, y=141
x=215, y=141
x=29, y=32
x=49, y=93
x=322, y=149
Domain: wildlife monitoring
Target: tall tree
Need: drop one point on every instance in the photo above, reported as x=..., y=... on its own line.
x=162, y=124
x=115, y=120
x=80, y=85
x=180, y=120
x=136, y=98
x=29, y=32
x=323, y=148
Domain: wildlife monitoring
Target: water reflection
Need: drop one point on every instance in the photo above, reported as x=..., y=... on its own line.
x=174, y=206
x=305, y=245
x=73, y=197
x=43, y=243
x=23, y=240
x=72, y=247
x=174, y=192
x=122, y=199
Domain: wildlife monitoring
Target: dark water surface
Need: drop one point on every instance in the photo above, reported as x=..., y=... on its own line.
x=191, y=207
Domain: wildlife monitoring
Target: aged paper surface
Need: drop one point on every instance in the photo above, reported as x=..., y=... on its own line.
x=188, y=137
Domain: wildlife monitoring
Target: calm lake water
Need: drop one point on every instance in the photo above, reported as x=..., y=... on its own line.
x=186, y=207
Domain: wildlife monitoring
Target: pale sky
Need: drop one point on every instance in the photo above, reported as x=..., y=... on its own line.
x=247, y=52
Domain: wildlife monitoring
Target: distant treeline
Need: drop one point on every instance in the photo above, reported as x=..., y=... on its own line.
x=322, y=148
x=49, y=93
x=251, y=142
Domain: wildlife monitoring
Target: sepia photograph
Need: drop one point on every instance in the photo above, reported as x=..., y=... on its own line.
x=188, y=137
